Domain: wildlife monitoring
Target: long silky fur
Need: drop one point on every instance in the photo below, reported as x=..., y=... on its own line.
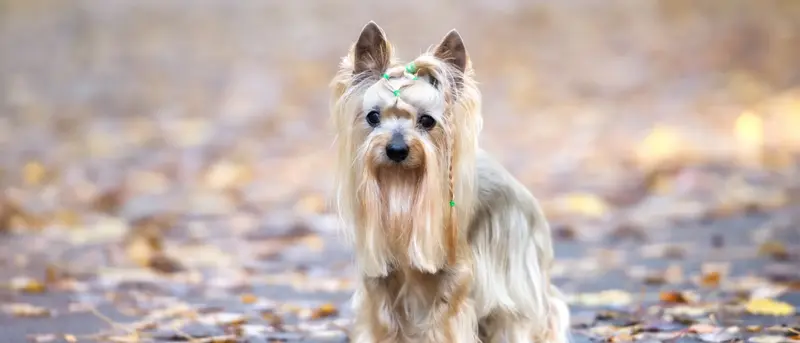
x=397, y=222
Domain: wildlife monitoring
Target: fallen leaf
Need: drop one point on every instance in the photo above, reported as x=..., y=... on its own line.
x=110, y=201
x=604, y=298
x=769, y=307
x=663, y=143
x=672, y=297
x=684, y=310
x=774, y=249
x=654, y=279
x=43, y=338
x=248, y=299
x=629, y=231
x=129, y=338
x=34, y=173
x=70, y=338
x=311, y=204
x=324, y=311
x=584, y=203
x=69, y=219
x=710, y=279
x=768, y=339
x=720, y=335
x=749, y=130
x=223, y=318
x=163, y=263
x=26, y=310
x=564, y=232
x=314, y=242
x=703, y=328
x=223, y=175
x=673, y=274
x=27, y=285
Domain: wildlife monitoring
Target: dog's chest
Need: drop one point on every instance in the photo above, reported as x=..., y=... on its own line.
x=413, y=294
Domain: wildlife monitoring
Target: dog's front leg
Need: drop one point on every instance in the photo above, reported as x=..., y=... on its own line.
x=455, y=319
x=375, y=321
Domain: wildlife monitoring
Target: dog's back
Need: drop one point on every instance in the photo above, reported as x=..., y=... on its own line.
x=511, y=241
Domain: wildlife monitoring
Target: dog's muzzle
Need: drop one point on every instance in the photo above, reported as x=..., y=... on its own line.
x=397, y=149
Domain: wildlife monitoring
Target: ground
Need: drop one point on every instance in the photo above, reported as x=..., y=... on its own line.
x=165, y=166
x=684, y=275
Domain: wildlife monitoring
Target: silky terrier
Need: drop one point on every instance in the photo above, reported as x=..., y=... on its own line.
x=449, y=246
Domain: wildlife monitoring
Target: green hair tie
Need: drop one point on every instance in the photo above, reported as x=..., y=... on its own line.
x=386, y=76
x=452, y=203
x=396, y=92
x=411, y=68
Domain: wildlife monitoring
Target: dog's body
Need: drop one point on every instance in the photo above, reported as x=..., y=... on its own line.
x=476, y=270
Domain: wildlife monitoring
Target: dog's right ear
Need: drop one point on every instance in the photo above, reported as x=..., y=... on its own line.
x=371, y=52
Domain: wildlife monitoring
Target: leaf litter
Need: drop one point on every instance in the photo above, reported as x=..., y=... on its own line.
x=179, y=232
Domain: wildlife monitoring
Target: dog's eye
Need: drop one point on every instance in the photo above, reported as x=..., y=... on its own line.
x=373, y=118
x=426, y=122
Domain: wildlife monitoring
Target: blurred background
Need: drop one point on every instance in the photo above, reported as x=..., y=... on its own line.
x=133, y=131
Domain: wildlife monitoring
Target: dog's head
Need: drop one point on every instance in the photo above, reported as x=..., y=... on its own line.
x=406, y=142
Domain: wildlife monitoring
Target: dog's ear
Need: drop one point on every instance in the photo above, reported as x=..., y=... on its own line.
x=371, y=51
x=451, y=50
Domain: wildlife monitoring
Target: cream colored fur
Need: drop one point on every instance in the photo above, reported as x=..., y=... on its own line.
x=493, y=282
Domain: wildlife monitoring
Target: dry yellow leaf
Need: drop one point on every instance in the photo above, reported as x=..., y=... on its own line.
x=749, y=130
x=314, y=242
x=70, y=338
x=34, y=173
x=27, y=285
x=140, y=251
x=311, y=204
x=67, y=218
x=769, y=307
x=611, y=297
x=768, y=339
x=586, y=204
x=249, y=298
x=223, y=175
x=662, y=143
x=25, y=310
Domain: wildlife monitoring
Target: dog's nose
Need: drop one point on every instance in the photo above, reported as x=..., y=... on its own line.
x=397, y=149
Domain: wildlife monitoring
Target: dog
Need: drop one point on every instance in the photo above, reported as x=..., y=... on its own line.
x=449, y=246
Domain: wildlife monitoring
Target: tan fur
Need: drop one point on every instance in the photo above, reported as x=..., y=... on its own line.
x=417, y=283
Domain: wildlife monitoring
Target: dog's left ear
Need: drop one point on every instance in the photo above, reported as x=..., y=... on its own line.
x=452, y=50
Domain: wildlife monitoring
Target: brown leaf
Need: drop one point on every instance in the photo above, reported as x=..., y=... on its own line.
x=655, y=279
x=51, y=274
x=110, y=201
x=629, y=231
x=273, y=319
x=774, y=249
x=164, y=264
x=324, y=311
x=672, y=297
x=710, y=279
x=564, y=232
